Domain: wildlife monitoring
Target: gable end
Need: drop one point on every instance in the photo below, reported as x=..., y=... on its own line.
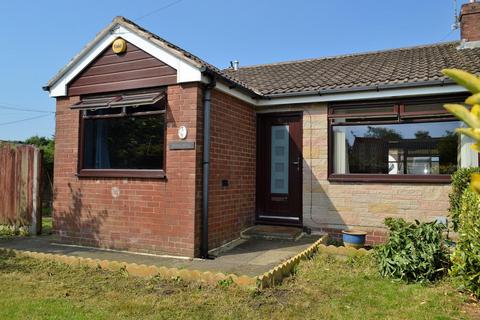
x=114, y=72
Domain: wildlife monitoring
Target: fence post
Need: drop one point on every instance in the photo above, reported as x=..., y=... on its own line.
x=36, y=214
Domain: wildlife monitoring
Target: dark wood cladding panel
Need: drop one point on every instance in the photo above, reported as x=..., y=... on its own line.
x=111, y=77
x=134, y=69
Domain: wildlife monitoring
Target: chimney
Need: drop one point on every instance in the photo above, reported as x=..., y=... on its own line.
x=470, y=22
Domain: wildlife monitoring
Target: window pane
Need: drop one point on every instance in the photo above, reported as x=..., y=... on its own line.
x=124, y=143
x=146, y=108
x=362, y=110
x=103, y=112
x=407, y=148
x=279, y=162
x=425, y=107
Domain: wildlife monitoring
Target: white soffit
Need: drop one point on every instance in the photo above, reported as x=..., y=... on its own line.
x=186, y=72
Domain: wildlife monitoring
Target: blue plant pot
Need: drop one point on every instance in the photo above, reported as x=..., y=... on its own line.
x=354, y=238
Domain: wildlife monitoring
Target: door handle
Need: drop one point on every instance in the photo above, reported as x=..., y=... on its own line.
x=297, y=163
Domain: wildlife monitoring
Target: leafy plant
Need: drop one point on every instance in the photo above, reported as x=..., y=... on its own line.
x=460, y=182
x=414, y=252
x=47, y=145
x=470, y=117
x=225, y=283
x=334, y=242
x=7, y=231
x=466, y=257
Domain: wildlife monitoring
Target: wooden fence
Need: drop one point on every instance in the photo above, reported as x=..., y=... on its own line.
x=20, y=186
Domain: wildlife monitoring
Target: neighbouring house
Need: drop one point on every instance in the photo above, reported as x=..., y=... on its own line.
x=159, y=151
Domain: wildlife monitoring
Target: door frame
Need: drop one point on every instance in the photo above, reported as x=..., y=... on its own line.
x=261, y=175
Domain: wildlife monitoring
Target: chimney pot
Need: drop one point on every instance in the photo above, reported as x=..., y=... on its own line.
x=234, y=64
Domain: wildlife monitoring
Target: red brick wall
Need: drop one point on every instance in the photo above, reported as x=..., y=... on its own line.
x=232, y=158
x=470, y=22
x=133, y=214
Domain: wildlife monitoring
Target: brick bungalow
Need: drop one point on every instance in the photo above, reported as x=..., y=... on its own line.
x=159, y=151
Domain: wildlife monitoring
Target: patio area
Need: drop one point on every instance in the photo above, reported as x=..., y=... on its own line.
x=250, y=257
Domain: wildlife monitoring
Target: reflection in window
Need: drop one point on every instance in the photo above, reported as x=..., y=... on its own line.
x=405, y=148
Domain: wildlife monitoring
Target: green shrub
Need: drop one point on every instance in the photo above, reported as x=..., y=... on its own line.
x=414, y=252
x=460, y=182
x=7, y=231
x=466, y=257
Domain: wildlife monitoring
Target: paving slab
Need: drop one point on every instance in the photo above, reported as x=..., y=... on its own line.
x=252, y=257
x=269, y=232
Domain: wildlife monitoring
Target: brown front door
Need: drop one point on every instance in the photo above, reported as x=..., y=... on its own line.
x=279, y=169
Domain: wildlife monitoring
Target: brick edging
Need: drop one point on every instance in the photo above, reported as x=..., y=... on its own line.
x=343, y=251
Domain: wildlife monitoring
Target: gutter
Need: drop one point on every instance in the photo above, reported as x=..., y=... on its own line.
x=207, y=95
x=377, y=88
x=231, y=83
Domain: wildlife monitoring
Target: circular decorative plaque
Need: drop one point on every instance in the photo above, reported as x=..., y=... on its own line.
x=119, y=46
x=182, y=132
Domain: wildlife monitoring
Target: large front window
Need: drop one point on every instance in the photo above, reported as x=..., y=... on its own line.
x=405, y=148
x=128, y=142
x=408, y=141
x=123, y=136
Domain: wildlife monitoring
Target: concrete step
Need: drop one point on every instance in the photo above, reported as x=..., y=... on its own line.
x=272, y=233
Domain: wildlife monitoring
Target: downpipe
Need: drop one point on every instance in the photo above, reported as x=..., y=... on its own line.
x=207, y=96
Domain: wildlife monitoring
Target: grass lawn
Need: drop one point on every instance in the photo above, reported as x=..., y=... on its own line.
x=323, y=288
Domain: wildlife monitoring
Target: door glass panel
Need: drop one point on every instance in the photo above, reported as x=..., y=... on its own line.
x=279, y=164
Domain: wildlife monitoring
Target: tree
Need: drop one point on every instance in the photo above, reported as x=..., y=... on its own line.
x=422, y=134
x=47, y=145
x=383, y=133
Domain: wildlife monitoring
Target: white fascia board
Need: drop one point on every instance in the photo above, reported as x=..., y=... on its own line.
x=186, y=72
x=59, y=88
x=364, y=95
x=347, y=96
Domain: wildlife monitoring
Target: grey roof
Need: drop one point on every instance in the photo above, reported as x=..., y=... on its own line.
x=413, y=66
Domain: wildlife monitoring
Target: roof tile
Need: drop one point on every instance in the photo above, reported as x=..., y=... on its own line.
x=389, y=67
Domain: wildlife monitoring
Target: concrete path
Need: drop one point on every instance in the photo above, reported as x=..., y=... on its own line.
x=252, y=257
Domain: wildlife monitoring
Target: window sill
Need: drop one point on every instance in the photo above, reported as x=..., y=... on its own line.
x=118, y=173
x=406, y=178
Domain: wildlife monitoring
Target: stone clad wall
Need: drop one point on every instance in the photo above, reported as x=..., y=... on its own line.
x=332, y=206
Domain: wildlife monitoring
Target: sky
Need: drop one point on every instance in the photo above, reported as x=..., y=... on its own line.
x=40, y=37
